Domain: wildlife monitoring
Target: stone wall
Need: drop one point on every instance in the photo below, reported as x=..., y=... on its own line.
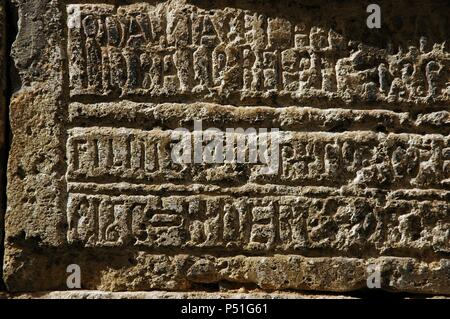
x=356, y=121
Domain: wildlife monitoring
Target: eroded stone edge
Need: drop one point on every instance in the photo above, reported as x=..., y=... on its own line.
x=241, y=294
x=3, y=57
x=35, y=164
x=143, y=271
x=95, y=294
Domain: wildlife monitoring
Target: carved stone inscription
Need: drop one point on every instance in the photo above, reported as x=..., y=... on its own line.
x=281, y=224
x=346, y=183
x=354, y=172
x=306, y=159
x=168, y=50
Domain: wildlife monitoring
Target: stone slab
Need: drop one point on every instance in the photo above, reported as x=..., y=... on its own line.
x=360, y=120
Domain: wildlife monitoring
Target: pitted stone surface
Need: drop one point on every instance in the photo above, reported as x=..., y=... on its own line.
x=363, y=160
x=3, y=151
x=93, y=294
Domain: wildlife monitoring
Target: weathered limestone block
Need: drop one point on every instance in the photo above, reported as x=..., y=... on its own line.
x=354, y=173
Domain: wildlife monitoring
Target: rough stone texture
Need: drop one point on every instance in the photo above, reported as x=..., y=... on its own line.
x=229, y=294
x=2, y=126
x=94, y=294
x=364, y=172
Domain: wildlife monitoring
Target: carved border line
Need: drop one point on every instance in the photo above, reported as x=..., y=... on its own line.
x=173, y=115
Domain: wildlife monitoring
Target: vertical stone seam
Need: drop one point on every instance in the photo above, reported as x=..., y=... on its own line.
x=3, y=132
x=8, y=83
